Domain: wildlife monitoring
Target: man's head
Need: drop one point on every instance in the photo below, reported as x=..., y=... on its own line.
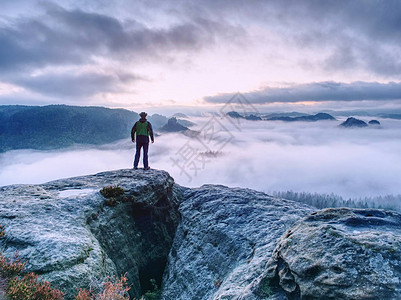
x=143, y=115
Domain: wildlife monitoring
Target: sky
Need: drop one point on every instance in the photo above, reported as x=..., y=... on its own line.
x=155, y=54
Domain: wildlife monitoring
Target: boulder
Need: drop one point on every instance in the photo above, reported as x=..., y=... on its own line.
x=337, y=254
x=225, y=238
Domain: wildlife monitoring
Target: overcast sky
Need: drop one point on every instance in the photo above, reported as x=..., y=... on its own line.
x=151, y=53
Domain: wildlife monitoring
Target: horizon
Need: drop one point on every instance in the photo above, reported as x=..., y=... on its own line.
x=269, y=156
x=189, y=110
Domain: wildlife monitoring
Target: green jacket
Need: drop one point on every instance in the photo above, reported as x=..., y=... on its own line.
x=142, y=128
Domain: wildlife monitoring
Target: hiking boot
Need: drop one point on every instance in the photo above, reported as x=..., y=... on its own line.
x=147, y=168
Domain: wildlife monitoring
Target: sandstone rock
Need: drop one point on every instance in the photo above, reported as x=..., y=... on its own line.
x=70, y=237
x=224, y=241
x=173, y=126
x=337, y=254
x=230, y=243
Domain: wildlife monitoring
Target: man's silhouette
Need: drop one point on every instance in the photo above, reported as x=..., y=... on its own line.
x=143, y=130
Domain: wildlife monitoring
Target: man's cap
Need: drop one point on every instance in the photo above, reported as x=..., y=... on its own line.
x=143, y=114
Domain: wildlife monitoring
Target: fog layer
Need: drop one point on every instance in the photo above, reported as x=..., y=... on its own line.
x=263, y=155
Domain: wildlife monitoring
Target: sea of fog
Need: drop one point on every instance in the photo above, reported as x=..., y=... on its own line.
x=263, y=155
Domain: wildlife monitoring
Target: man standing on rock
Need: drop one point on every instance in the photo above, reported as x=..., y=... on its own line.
x=143, y=130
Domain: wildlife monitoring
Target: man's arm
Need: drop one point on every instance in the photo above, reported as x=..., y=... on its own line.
x=150, y=129
x=133, y=130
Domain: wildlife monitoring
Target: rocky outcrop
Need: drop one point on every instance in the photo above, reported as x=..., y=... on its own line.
x=353, y=122
x=173, y=126
x=224, y=241
x=70, y=237
x=374, y=122
x=211, y=242
x=338, y=254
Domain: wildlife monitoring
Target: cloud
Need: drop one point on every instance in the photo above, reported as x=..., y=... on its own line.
x=74, y=85
x=320, y=91
x=311, y=157
x=65, y=36
x=32, y=44
x=329, y=39
x=333, y=35
x=76, y=38
x=354, y=34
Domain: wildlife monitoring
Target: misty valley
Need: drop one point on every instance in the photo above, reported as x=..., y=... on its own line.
x=319, y=159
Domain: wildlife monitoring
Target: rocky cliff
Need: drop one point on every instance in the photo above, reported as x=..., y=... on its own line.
x=211, y=242
x=71, y=237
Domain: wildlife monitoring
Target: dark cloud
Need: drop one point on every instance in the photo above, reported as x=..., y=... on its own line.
x=320, y=91
x=348, y=34
x=74, y=85
x=74, y=36
x=356, y=34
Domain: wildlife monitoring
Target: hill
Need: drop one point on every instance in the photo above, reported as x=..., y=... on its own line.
x=353, y=122
x=286, y=117
x=59, y=126
x=308, y=118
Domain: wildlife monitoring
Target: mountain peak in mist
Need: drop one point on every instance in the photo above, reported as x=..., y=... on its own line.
x=307, y=118
x=173, y=126
x=353, y=122
x=235, y=115
x=374, y=122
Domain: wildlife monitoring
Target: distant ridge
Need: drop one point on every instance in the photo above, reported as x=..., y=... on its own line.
x=59, y=126
x=309, y=118
x=290, y=117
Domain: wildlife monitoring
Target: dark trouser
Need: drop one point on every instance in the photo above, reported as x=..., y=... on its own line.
x=145, y=146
